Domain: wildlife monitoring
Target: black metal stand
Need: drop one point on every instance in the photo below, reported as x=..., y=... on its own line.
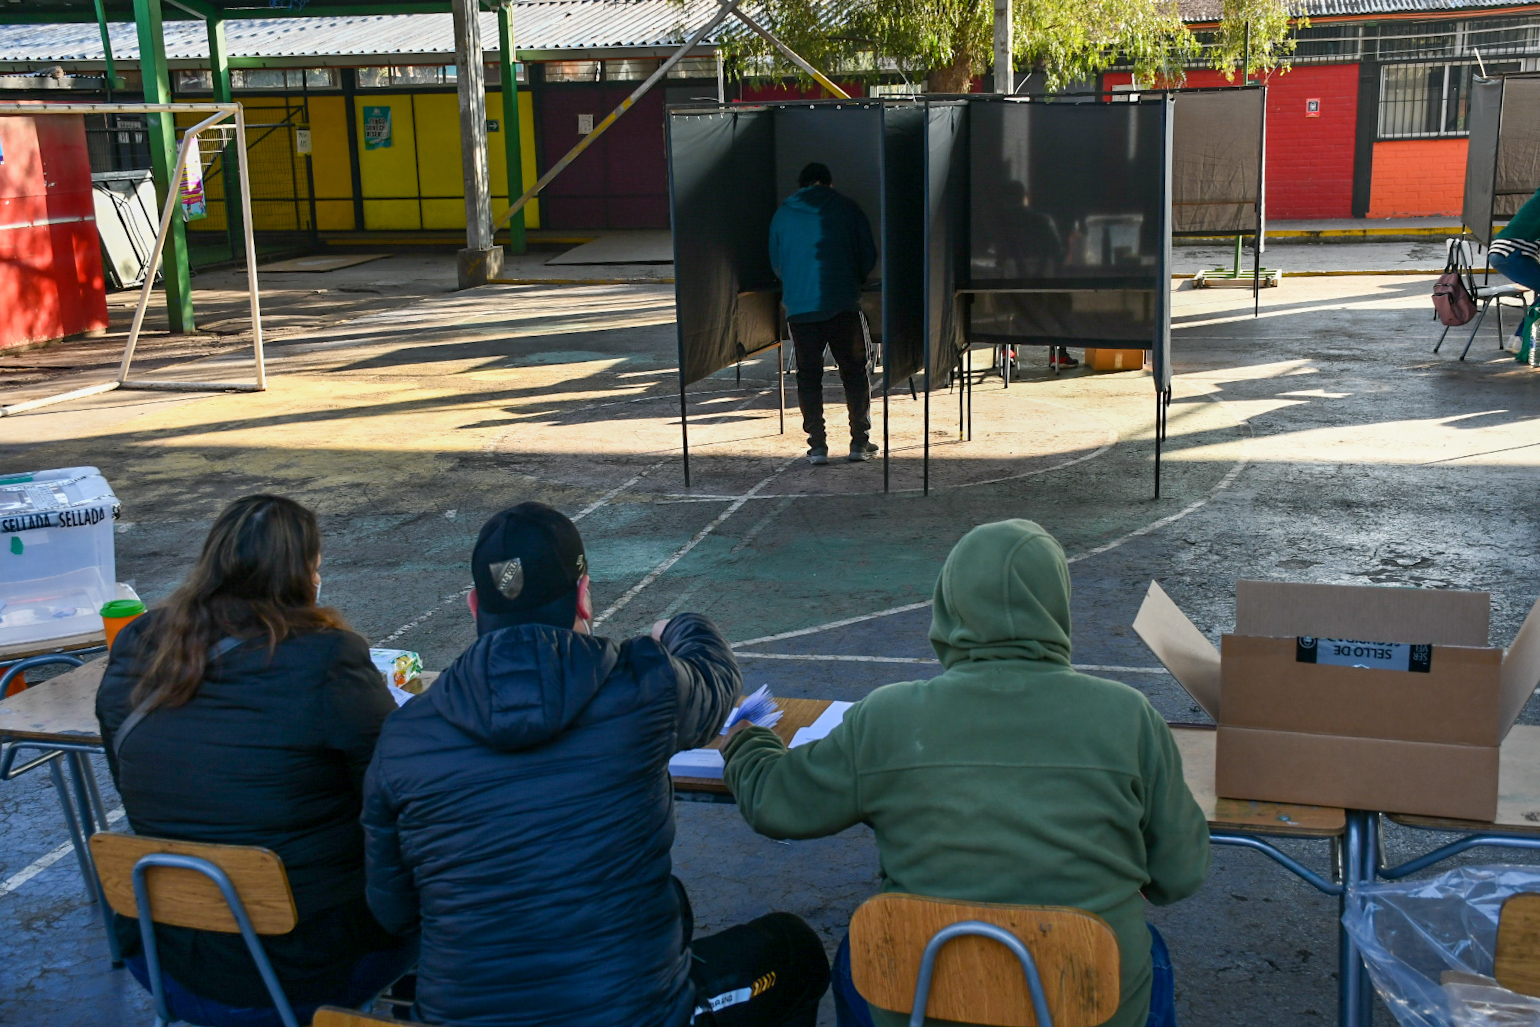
x=1162, y=415
x=684, y=432
x=925, y=458
x=780, y=375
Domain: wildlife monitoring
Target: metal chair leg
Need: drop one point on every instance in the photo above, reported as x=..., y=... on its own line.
x=1441, y=337
x=1499, y=302
x=92, y=819
x=1479, y=318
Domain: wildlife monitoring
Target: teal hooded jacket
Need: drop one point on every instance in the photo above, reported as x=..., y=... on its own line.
x=1009, y=777
x=821, y=249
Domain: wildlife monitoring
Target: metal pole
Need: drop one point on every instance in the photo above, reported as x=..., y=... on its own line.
x=925, y=459
x=219, y=64
x=684, y=431
x=610, y=118
x=1261, y=239
x=176, y=274
x=780, y=374
x=251, y=252
x=792, y=56
x=112, y=71
x=479, y=260
x=1005, y=71
x=512, y=142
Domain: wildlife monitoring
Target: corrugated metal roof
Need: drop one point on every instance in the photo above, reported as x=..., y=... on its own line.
x=1211, y=10
x=539, y=25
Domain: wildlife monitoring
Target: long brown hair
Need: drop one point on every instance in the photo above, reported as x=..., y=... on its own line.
x=254, y=578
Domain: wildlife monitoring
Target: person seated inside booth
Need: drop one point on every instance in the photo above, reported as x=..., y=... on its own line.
x=1009, y=778
x=240, y=712
x=521, y=811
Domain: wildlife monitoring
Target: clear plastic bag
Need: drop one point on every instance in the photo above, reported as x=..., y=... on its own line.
x=1429, y=946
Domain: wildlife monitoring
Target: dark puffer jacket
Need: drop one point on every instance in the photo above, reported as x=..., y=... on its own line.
x=522, y=813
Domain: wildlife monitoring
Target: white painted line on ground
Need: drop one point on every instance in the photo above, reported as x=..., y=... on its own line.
x=679, y=554
x=48, y=859
x=1224, y=483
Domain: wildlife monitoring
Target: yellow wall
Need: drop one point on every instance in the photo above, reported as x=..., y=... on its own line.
x=415, y=183
x=423, y=162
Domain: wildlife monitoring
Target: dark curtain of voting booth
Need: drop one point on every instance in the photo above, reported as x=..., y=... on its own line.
x=1070, y=227
x=1218, y=167
x=1502, y=167
x=729, y=170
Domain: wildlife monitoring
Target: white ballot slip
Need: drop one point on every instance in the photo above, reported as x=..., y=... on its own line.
x=827, y=721
x=697, y=763
x=401, y=695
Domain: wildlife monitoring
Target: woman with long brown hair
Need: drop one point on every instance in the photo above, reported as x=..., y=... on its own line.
x=241, y=712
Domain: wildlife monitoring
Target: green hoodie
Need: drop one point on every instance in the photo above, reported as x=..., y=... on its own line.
x=1008, y=778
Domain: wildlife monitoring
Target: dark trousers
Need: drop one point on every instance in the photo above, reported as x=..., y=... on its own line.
x=769, y=972
x=843, y=336
x=850, y=1009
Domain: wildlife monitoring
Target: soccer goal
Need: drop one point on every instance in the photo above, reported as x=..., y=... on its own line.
x=221, y=119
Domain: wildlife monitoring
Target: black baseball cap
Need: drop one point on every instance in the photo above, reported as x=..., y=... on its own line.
x=526, y=567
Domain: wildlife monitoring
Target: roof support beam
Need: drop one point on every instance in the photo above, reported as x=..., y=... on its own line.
x=219, y=67
x=176, y=273
x=512, y=126
x=480, y=260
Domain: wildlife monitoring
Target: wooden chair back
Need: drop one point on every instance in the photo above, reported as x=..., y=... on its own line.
x=331, y=1016
x=977, y=980
x=1518, y=944
x=185, y=898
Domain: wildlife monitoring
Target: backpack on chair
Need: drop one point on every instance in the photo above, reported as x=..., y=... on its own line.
x=1452, y=300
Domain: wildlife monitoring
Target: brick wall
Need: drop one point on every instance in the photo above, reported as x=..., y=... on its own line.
x=1418, y=178
x=1309, y=160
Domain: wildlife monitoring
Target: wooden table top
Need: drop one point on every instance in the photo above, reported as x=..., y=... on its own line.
x=61, y=709
x=22, y=650
x=1518, y=790
x=1197, y=747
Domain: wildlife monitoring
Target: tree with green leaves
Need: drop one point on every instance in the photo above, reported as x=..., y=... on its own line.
x=945, y=43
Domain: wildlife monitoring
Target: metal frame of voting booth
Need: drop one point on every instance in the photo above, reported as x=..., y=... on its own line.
x=1069, y=227
x=729, y=168
x=217, y=113
x=1502, y=168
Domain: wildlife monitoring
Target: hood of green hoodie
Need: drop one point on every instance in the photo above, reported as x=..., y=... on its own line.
x=1003, y=594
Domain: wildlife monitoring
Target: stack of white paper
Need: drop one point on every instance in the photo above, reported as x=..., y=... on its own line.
x=697, y=763
x=827, y=721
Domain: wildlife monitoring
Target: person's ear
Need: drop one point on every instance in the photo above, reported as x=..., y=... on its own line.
x=470, y=600
x=585, y=603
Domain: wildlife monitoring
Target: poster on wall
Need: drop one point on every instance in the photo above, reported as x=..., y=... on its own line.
x=376, y=128
x=194, y=203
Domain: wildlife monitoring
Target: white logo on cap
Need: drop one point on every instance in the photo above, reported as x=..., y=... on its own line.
x=508, y=576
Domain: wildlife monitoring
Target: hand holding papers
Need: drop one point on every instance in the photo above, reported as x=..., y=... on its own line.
x=758, y=709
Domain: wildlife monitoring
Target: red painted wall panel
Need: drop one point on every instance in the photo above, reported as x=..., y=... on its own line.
x=51, y=283
x=1309, y=160
x=621, y=181
x=1418, y=178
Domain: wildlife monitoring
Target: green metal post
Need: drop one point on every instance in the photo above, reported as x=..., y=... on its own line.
x=113, y=82
x=219, y=67
x=507, y=63
x=176, y=273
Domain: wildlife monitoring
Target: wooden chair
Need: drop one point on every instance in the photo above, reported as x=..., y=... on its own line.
x=331, y=1016
x=1518, y=944
x=1048, y=966
x=228, y=888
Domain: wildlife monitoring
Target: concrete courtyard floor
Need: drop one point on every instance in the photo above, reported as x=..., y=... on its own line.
x=1322, y=441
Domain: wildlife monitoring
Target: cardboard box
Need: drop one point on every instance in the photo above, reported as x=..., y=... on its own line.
x=1114, y=359
x=1405, y=718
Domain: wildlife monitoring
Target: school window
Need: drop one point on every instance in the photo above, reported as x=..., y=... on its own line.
x=1426, y=101
x=259, y=78
x=573, y=71
x=407, y=75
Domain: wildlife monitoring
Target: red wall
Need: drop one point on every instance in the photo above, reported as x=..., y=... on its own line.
x=621, y=181
x=1418, y=178
x=1309, y=160
x=51, y=283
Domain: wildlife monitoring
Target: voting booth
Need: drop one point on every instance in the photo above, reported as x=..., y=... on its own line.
x=1219, y=176
x=1502, y=168
x=729, y=169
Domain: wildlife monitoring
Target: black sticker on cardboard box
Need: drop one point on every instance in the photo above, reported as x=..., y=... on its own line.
x=1343, y=652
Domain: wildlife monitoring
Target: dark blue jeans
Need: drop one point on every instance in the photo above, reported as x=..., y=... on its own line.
x=371, y=975
x=1518, y=269
x=850, y=1009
